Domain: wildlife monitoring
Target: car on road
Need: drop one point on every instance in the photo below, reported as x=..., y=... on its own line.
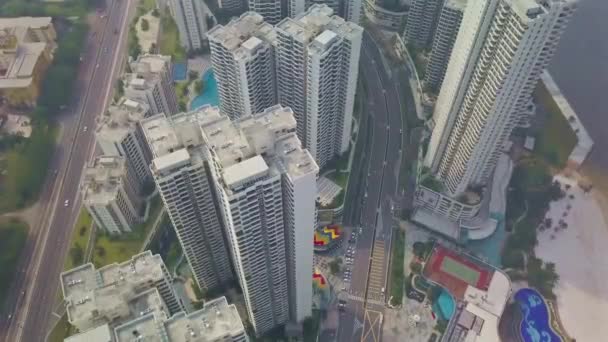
x=85, y=128
x=97, y=66
x=66, y=203
x=115, y=31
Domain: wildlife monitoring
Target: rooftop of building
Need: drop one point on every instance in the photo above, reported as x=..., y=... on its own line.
x=19, y=55
x=241, y=147
x=31, y=22
x=86, y=289
x=456, y=4
x=216, y=320
x=102, y=333
x=145, y=69
x=315, y=22
x=244, y=34
x=120, y=118
x=102, y=178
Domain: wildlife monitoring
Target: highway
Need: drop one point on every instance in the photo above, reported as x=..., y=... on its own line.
x=370, y=196
x=34, y=290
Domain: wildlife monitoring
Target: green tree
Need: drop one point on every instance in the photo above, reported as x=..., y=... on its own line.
x=57, y=87
x=192, y=75
x=145, y=25
x=76, y=254
x=199, y=86
x=334, y=267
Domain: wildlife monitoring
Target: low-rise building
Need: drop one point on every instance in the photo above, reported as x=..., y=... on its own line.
x=26, y=51
x=118, y=293
x=216, y=321
x=110, y=194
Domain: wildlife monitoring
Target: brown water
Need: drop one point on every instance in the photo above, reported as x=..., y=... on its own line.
x=580, y=68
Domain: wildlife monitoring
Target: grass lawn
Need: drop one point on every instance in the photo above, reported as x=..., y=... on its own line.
x=556, y=140
x=148, y=5
x=79, y=240
x=13, y=234
x=397, y=274
x=62, y=330
x=340, y=178
x=110, y=249
x=169, y=39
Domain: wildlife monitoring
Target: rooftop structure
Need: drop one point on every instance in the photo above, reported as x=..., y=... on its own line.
x=26, y=50
x=118, y=292
x=102, y=333
x=151, y=82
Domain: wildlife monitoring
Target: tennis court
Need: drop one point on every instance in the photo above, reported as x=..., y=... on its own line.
x=459, y=270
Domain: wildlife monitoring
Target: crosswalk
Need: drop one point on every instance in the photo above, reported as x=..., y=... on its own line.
x=376, y=274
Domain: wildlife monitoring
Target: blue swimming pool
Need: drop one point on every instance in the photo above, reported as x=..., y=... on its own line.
x=535, y=325
x=209, y=95
x=179, y=71
x=444, y=306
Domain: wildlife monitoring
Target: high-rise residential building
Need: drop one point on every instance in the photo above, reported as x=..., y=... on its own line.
x=353, y=10
x=231, y=6
x=317, y=72
x=151, y=82
x=502, y=48
x=117, y=293
x=446, y=32
x=266, y=185
x=242, y=55
x=271, y=10
x=216, y=321
x=335, y=5
x=182, y=177
x=191, y=21
x=421, y=21
x=295, y=7
x=119, y=134
x=110, y=194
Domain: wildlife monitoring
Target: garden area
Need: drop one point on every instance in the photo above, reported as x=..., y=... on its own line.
x=13, y=235
x=556, y=139
x=169, y=39
x=81, y=235
x=110, y=249
x=531, y=191
x=397, y=273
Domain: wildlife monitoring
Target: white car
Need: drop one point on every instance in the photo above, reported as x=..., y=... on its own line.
x=85, y=128
x=66, y=203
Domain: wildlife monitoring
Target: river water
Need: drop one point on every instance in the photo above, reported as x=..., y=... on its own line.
x=580, y=67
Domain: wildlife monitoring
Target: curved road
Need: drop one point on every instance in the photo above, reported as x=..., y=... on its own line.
x=377, y=169
x=33, y=292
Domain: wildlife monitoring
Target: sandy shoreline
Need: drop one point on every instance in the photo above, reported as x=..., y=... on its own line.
x=580, y=254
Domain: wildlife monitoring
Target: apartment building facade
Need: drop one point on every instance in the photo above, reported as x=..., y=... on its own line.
x=242, y=55
x=317, y=73
x=499, y=54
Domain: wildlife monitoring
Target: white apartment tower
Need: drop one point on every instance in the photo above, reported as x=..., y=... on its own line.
x=353, y=10
x=295, y=7
x=191, y=21
x=182, y=176
x=110, y=194
x=446, y=32
x=267, y=191
x=151, y=82
x=271, y=10
x=317, y=72
x=502, y=48
x=242, y=55
x=119, y=134
x=421, y=22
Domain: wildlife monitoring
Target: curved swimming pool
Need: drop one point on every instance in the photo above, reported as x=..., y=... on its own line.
x=209, y=95
x=535, y=325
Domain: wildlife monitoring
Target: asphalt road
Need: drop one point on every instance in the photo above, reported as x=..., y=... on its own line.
x=376, y=173
x=33, y=293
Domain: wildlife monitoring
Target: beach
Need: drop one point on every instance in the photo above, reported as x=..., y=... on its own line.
x=579, y=252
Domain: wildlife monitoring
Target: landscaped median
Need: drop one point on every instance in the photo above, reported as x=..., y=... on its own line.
x=81, y=235
x=397, y=275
